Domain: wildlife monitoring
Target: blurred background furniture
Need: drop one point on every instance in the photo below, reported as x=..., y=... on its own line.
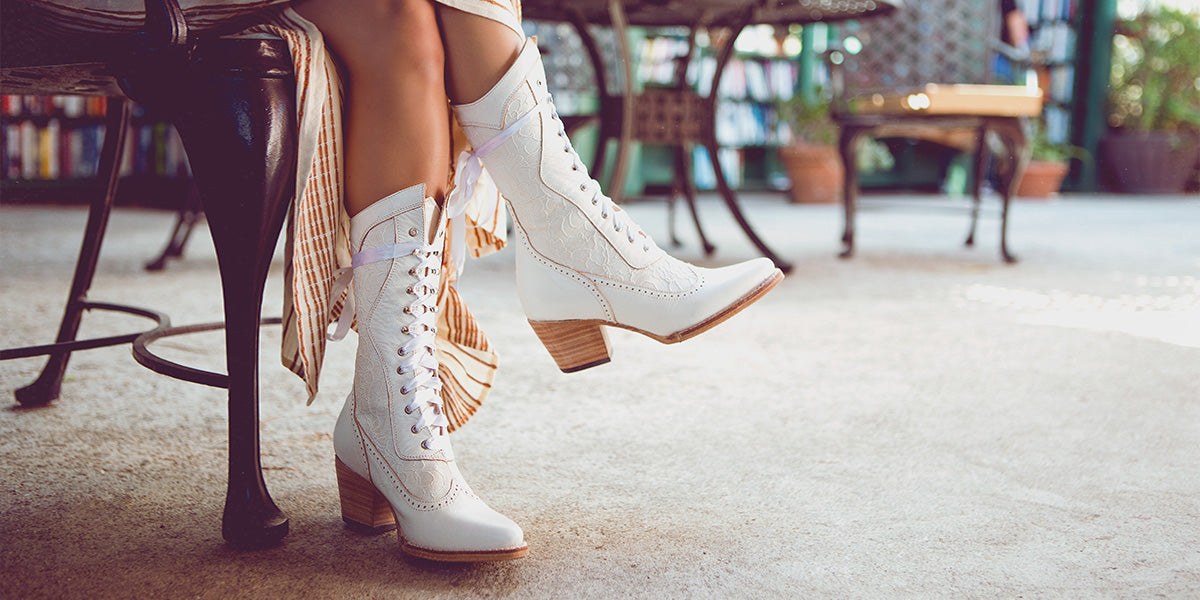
x=678, y=115
x=926, y=72
x=233, y=102
x=186, y=218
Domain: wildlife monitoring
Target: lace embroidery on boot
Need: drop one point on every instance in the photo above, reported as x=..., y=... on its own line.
x=418, y=358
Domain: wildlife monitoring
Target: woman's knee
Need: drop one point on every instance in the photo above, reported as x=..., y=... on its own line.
x=381, y=36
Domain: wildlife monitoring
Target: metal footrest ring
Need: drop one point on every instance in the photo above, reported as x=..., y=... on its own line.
x=162, y=366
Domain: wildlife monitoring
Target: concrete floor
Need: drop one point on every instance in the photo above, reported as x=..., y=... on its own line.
x=922, y=421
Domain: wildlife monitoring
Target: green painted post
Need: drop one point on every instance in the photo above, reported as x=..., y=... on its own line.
x=808, y=60
x=1094, y=63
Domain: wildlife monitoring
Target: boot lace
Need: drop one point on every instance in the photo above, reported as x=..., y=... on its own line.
x=621, y=220
x=418, y=356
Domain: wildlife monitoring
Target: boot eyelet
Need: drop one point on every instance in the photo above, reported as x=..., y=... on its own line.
x=412, y=232
x=425, y=444
x=414, y=429
x=409, y=290
x=405, y=330
x=399, y=370
x=401, y=352
x=408, y=310
x=583, y=188
x=404, y=390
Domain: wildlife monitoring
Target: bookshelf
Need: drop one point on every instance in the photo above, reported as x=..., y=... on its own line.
x=50, y=146
x=1054, y=36
x=764, y=71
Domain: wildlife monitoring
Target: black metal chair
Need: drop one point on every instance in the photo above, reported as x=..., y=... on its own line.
x=233, y=102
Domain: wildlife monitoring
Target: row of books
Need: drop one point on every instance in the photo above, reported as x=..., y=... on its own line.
x=71, y=107
x=657, y=59
x=1037, y=11
x=741, y=124
x=1057, y=122
x=732, y=162
x=32, y=152
x=1062, y=80
x=1055, y=40
x=758, y=80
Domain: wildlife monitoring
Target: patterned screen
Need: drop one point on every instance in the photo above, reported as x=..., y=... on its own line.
x=929, y=41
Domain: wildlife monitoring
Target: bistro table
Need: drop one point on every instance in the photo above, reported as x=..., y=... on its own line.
x=678, y=115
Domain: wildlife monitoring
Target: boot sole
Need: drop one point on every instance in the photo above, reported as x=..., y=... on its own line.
x=366, y=510
x=582, y=344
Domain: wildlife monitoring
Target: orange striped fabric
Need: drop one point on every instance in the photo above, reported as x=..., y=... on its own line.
x=318, y=235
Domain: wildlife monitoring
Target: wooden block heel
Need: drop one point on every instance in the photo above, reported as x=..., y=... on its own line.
x=574, y=345
x=363, y=507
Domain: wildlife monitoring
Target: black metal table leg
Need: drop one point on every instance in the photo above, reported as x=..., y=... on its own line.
x=49, y=383
x=593, y=51
x=735, y=209
x=683, y=178
x=710, y=143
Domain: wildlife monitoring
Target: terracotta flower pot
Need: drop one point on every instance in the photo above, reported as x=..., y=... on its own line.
x=1042, y=179
x=816, y=173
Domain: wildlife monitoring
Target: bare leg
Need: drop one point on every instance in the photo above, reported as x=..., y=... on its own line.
x=478, y=52
x=397, y=118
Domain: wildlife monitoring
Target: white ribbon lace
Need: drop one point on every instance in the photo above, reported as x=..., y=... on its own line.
x=418, y=358
x=470, y=178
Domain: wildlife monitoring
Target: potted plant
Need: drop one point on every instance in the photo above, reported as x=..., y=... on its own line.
x=1048, y=166
x=1154, y=103
x=811, y=160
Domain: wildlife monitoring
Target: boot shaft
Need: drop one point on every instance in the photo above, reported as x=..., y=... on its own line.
x=554, y=201
x=396, y=243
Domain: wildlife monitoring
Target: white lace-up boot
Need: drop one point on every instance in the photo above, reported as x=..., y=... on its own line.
x=582, y=263
x=394, y=463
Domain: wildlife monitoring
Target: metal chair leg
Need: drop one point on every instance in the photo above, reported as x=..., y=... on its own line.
x=185, y=222
x=49, y=383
